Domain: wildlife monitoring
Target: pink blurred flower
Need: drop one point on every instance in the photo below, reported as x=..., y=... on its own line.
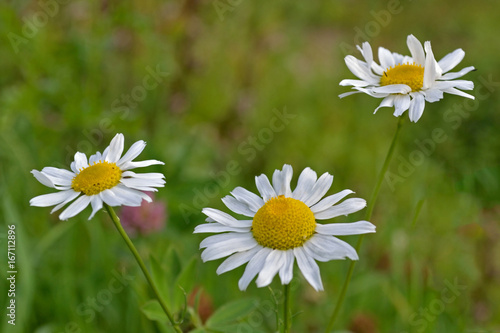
x=145, y=219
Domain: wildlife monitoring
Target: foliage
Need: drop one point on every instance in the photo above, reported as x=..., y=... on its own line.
x=89, y=72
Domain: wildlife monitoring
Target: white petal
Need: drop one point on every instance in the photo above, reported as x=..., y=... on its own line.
x=401, y=104
x=58, y=181
x=105, y=153
x=222, y=217
x=217, y=227
x=253, y=268
x=416, y=50
x=392, y=89
x=281, y=181
x=459, y=84
x=319, y=253
x=96, y=203
x=356, y=83
x=52, y=199
x=115, y=148
x=319, y=189
x=237, y=259
x=253, y=201
x=416, y=107
x=225, y=238
x=264, y=186
x=455, y=75
x=140, y=164
x=144, y=188
x=330, y=200
x=401, y=59
x=331, y=248
x=110, y=198
x=433, y=95
x=360, y=69
x=370, y=92
x=325, y=250
x=286, y=270
x=80, y=162
x=42, y=178
x=59, y=173
x=386, y=102
x=345, y=208
x=377, y=69
x=148, y=175
x=272, y=265
x=95, y=158
x=222, y=245
x=458, y=92
x=430, y=71
x=141, y=184
x=129, y=197
x=309, y=268
x=132, y=152
x=349, y=93
x=73, y=196
x=306, y=181
x=385, y=58
x=449, y=61
x=367, y=53
x=345, y=229
x=237, y=206
x=463, y=84
x=72, y=166
x=76, y=207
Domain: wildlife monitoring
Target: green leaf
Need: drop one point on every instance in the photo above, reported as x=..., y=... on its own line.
x=153, y=310
x=236, y=327
x=231, y=312
x=185, y=283
x=174, y=264
x=198, y=330
x=160, y=278
x=194, y=317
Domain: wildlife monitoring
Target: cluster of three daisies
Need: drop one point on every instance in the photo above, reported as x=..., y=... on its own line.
x=281, y=225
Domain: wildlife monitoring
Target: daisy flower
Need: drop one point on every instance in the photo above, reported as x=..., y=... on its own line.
x=282, y=227
x=407, y=82
x=104, y=178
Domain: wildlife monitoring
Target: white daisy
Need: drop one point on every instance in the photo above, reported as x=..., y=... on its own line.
x=407, y=82
x=282, y=228
x=104, y=178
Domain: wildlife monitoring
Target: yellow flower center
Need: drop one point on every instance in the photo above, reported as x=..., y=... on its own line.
x=410, y=74
x=283, y=223
x=96, y=178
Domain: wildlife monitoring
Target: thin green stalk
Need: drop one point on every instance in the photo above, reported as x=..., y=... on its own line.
x=369, y=211
x=138, y=258
x=287, y=310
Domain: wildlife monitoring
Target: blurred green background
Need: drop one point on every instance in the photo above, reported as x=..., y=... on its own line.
x=75, y=73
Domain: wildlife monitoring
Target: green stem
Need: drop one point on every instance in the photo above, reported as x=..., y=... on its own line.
x=287, y=310
x=369, y=211
x=134, y=251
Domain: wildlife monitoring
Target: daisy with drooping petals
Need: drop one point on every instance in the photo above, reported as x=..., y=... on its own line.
x=282, y=228
x=407, y=82
x=104, y=178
